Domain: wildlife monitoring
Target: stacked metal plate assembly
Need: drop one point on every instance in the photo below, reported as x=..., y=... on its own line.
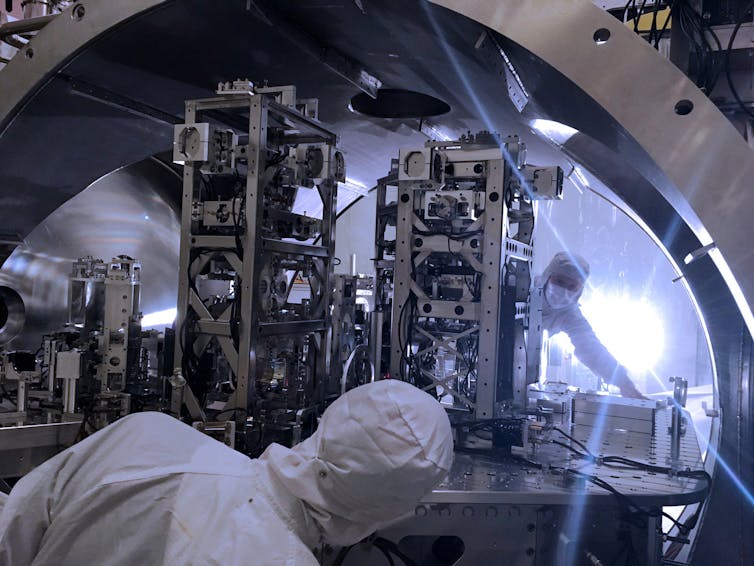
x=245, y=349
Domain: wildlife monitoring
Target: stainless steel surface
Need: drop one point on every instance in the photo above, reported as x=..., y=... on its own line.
x=24, y=447
x=634, y=416
x=485, y=479
x=132, y=211
x=493, y=509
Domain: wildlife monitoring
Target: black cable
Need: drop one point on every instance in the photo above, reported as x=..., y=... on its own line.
x=634, y=512
x=728, y=75
x=709, y=69
x=688, y=25
x=624, y=12
x=665, y=25
x=572, y=449
x=577, y=442
x=717, y=69
x=389, y=547
x=632, y=507
x=694, y=474
x=707, y=64
x=386, y=554
x=638, y=14
x=653, y=25
x=341, y=556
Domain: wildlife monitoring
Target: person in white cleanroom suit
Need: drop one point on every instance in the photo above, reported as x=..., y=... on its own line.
x=563, y=282
x=149, y=489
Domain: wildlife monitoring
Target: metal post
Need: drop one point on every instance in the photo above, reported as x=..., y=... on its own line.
x=680, y=390
x=246, y=370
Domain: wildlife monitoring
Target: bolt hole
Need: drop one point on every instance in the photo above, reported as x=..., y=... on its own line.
x=601, y=36
x=78, y=12
x=683, y=107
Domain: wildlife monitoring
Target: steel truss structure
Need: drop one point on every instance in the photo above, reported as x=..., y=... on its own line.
x=240, y=231
x=463, y=248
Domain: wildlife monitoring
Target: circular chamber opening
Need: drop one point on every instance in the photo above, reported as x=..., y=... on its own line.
x=398, y=103
x=12, y=314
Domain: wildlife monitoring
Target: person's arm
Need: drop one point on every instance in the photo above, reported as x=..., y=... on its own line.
x=593, y=354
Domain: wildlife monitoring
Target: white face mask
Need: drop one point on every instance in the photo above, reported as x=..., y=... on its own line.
x=559, y=297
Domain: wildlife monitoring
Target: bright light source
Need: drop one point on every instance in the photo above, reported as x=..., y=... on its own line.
x=630, y=328
x=553, y=131
x=159, y=318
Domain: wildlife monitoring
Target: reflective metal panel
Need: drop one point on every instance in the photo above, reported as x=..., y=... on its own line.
x=131, y=211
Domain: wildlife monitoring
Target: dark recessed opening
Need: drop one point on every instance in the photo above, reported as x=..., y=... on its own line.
x=12, y=314
x=3, y=313
x=398, y=103
x=683, y=107
x=432, y=550
x=601, y=36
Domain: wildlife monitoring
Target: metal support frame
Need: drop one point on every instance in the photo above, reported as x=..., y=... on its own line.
x=494, y=244
x=242, y=247
x=343, y=323
x=384, y=266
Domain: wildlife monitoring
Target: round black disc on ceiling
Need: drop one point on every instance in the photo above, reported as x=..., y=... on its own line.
x=398, y=103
